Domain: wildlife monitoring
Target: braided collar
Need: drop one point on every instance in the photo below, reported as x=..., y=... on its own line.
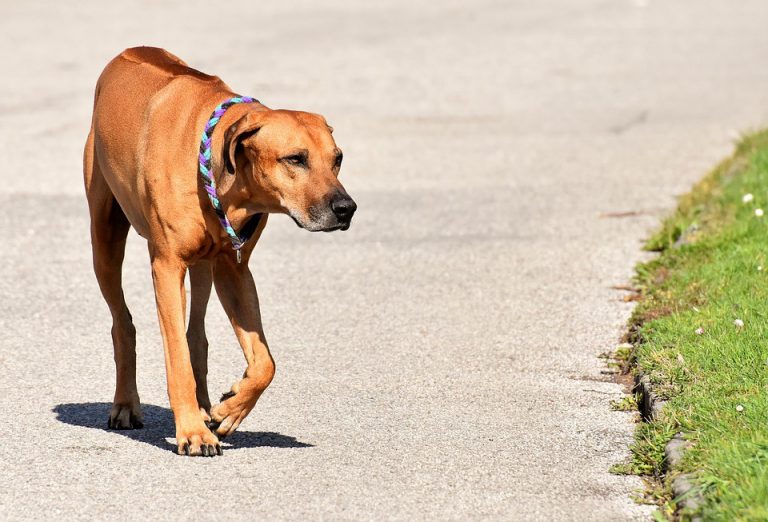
x=207, y=175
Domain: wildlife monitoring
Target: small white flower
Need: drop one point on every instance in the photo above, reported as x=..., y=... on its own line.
x=738, y=323
x=699, y=331
x=739, y=408
x=759, y=268
x=759, y=212
x=746, y=198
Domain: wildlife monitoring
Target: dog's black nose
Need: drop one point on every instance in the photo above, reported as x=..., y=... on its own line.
x=343, y=206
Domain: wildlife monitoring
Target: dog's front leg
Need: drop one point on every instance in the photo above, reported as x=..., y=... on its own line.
x=192, y=436
x=237, y=293
x=200, y=282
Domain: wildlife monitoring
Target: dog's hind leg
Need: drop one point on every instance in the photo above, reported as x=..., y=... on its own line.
x=200, y=282
x=237, y=293
x=109, y=230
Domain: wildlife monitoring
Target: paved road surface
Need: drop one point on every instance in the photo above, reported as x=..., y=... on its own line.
x=439, y=360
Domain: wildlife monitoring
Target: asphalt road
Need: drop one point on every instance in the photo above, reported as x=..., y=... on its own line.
x=440, y=359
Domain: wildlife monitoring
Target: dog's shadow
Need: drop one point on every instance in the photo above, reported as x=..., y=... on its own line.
x=158, y=424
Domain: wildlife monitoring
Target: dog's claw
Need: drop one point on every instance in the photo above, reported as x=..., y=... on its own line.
x=198, y=444
x=125, y=417
x=214, y=426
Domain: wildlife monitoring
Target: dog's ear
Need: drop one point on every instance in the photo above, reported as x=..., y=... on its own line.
x=243, y=128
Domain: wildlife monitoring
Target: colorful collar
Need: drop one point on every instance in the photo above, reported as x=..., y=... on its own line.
x=207, y=175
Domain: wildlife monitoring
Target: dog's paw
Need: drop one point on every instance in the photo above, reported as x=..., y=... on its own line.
x=198, y=443
x=227, y=416
x=125, y=417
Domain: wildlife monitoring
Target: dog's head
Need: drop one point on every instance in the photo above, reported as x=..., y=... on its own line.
x=291, y=163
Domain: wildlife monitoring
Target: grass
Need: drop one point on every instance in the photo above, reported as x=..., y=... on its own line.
x=708, y=275
x=626, y=403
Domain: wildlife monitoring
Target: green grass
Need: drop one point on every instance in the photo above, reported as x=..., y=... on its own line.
x=716, y=381
x=626, y=403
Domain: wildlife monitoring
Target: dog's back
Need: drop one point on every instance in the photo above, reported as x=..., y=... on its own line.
x=146, y=97
x=139, y=79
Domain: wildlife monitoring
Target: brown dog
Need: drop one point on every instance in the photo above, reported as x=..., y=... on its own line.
x=141, y=170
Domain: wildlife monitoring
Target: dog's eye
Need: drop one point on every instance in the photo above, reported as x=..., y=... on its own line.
x=339, y=158
x=298, y=160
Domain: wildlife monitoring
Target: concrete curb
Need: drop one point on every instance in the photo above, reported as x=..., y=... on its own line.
x=687, y=495
x=650, y=404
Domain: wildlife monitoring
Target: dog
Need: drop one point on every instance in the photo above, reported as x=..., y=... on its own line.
x=145, y=167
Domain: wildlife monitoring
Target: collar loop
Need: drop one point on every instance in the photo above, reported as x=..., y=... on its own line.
x=207, y=175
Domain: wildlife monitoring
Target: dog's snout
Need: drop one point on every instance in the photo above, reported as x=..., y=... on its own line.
x=343, y=207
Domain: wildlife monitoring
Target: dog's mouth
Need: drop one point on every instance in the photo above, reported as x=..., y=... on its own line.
x=319, y=228
x=340, y=226
x=317, y=225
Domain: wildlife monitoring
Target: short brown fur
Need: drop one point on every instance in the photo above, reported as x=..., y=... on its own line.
x=140, y=170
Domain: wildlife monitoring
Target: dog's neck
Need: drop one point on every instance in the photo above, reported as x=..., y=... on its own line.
x=237, y=198
x=235, y=191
